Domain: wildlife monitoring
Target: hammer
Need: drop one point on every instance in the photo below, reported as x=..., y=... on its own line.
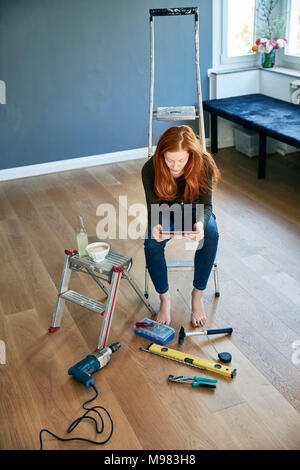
x=218, y=331
x=223, y=356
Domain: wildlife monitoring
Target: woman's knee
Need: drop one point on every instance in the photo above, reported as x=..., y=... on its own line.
x=152, y=246
x=211, y=230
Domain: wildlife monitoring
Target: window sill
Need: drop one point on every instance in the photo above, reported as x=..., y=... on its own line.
x=276, y=69
x=283, y=71
x=228, y=69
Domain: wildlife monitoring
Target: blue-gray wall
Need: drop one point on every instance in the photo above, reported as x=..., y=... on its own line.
x=77, y=74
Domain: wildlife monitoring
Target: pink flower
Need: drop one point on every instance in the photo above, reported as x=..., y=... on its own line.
x=257, y=42
x=285, y=40
x=273, y=42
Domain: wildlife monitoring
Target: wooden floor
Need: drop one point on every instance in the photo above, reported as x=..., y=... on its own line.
x=259, y=273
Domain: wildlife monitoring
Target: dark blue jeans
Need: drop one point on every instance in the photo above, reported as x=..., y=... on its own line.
x=203, y=260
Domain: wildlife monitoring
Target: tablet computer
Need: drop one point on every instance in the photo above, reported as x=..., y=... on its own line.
x=178, y=232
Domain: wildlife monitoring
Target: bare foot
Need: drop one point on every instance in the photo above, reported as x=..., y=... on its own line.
x=164, y=314
x=198, y=317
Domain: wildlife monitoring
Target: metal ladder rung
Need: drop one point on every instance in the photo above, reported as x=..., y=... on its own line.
x=183, y=264
x=175, y=113
x=84, y=301
x=117, y=259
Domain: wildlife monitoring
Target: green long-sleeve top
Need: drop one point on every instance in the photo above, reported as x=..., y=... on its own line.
x=151, y=197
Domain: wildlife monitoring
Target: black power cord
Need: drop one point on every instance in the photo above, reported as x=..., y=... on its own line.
x=81, y=418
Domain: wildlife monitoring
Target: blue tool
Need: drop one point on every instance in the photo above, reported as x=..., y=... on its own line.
x=194, y=381
x=154, y=331
x=82, y=370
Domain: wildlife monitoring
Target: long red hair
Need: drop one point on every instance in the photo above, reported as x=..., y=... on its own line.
x=201, y=172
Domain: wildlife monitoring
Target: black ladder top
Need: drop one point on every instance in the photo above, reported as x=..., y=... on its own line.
x=173, y=12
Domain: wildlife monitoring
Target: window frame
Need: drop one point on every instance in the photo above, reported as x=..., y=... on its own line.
x=220, y=59
x=220, y=40
x=285, y=59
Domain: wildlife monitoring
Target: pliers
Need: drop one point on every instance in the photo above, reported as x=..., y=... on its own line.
x=194, y=381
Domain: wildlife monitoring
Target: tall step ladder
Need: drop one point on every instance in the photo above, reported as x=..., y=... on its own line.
x=177, y=113
x=111, y=270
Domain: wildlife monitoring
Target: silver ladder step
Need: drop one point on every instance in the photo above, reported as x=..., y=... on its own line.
x=84, y=301
x=180, y=264
x=175, y=113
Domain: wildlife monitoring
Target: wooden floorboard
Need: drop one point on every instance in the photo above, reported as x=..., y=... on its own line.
x=258, y=267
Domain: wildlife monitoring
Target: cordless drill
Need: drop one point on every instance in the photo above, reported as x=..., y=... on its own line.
x=82, y=370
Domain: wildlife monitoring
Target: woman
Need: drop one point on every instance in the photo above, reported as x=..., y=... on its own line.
x=180, y=173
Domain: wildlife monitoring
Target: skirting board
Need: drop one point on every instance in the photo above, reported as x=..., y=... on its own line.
x=72, y=164
x=75, y=163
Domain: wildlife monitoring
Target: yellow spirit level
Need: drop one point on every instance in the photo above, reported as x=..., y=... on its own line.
x=190, y=359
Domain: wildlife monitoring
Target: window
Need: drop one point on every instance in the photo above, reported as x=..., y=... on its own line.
x=293, y=28
x=236, y=26
x=233, y=33
x=289, y=56
x=240, y=27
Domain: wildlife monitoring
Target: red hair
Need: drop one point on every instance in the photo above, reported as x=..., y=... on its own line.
x=201, y=172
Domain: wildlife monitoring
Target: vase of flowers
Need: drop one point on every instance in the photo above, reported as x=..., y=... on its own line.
x=268, y=59
x=270, y=27
x=268, y=48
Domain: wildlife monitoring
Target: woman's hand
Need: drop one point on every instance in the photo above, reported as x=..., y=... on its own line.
x=158, y=236
x=198, y=227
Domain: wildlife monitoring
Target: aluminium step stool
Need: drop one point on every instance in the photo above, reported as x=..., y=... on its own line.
x=111, y=270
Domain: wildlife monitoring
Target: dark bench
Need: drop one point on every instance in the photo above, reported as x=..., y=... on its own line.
x=270, y=117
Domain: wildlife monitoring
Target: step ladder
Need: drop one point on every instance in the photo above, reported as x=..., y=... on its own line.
x=175, y=113
x=111, y=270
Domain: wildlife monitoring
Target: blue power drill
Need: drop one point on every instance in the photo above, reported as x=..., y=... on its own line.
x=95, y=361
